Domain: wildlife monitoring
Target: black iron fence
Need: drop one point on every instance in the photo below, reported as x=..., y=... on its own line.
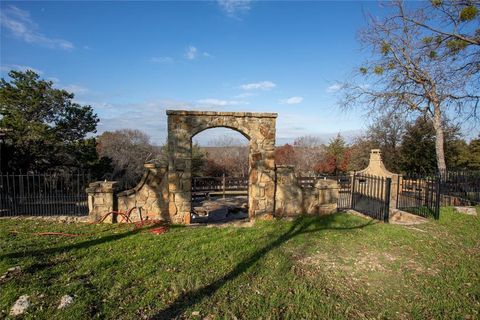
x=371, y=196
x=43, y=194
x=345, y=192
x=460, y=188
x=419, y=195
x=423, y=195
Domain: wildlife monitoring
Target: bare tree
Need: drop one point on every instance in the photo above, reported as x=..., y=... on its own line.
x=229, y=154
x=226, y=141
x=309, y=150
x=386, y=133
x=128, y=150
x=417, y=68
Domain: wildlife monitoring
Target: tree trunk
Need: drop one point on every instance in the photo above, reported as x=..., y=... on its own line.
x=439, y=140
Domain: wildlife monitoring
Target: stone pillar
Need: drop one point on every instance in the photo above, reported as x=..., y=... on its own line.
x=327, y=196
x=394, y=191
x=179, y=168
x=288, y=195
x=102, y=200
x=261, y=180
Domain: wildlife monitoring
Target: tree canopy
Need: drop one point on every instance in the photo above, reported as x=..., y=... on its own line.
x=46, y=128
x=424, y=60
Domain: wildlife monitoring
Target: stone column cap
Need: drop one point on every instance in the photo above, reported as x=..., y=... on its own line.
x=375, y=166
x=102, y=186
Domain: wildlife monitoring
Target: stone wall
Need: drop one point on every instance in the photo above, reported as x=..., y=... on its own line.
x=149, y=197
x=293, y=200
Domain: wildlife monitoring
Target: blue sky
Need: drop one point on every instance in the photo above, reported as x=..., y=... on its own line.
x=133, y=60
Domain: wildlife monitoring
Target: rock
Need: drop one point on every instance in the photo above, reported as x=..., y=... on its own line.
x=467, y=210
x=20, y=306
x=14, y=269
x=65, y=301
x=195, y=313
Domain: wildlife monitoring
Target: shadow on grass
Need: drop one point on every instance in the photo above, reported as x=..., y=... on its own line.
x=299, y=226
x=79, y=245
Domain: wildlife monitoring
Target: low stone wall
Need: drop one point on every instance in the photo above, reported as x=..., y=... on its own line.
x=293, y=200
x=149, y=197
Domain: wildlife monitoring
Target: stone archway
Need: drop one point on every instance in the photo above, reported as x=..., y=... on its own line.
x=258, y=128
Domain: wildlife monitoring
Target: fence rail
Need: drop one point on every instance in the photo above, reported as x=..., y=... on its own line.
x=43, y=194
x=203, y=185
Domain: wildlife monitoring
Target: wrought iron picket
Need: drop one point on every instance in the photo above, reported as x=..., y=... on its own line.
x=43, y=194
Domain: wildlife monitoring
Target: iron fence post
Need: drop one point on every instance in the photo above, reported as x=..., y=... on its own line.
x=398, y=191
x=352, y=191
x=386, y=214
x=437, y=196
x=223, y=184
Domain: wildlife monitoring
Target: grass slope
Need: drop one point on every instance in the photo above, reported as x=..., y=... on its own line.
x=339, y=266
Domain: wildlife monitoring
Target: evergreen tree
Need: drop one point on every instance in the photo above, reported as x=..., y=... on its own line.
x=46, y=128
x=418, y=147
x=474, y=154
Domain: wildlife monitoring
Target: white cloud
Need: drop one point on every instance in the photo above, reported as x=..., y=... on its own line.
x=191, y=53
x=233, y=7
x=243, y=95
x=162, y=59
x=75, y=89
x=263, y=85
x=334, y=87
x=292, y=100
x=150, y=114
x=219, y=103
x=20, y=24
x=8, y=67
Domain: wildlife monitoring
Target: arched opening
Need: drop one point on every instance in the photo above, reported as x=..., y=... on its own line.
x=219, y=175
x=259, y=128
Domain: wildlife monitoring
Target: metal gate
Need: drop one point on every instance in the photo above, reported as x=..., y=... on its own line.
x=344, y=192
x=419, y=195
x=371, y=196
x=43, y=194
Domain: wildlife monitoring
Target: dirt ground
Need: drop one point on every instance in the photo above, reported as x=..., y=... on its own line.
x=220, y=209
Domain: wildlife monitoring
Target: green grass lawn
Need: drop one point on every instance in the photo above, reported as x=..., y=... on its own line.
x=339, y=266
